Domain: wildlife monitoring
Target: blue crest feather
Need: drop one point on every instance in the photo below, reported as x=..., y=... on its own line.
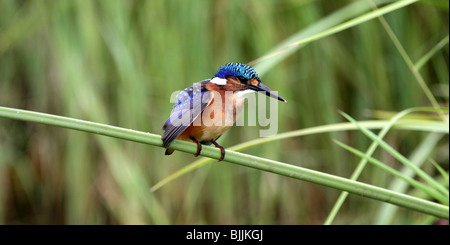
x=237, y=70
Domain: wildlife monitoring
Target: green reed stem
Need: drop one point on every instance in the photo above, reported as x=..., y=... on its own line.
x=267, y=165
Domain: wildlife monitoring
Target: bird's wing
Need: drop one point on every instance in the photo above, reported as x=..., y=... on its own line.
x=189, y=105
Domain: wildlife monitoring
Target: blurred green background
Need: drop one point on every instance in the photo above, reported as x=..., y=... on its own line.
x=118, y=62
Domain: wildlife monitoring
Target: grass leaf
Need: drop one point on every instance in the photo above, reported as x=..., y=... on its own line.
x=236, y=158
x=398, y=156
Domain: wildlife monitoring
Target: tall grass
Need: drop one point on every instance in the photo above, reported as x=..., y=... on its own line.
x=117, y=62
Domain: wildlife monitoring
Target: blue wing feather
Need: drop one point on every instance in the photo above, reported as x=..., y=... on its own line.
x=188, y=106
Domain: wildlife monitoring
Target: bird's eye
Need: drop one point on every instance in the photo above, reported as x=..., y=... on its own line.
x=242, y=79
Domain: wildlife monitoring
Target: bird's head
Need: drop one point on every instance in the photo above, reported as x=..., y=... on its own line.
x=240, y=77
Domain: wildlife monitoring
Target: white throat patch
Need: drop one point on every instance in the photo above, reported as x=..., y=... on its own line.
x=219, y=81
x=242, y=93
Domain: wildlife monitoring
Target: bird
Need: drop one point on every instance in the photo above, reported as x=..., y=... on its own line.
x=188, y=121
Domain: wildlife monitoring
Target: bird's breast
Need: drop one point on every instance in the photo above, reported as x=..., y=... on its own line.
x=216, y=118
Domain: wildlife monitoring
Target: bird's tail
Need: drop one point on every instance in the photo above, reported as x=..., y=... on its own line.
x=169, y=151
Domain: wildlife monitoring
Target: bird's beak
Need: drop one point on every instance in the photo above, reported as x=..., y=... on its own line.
x=266, y=90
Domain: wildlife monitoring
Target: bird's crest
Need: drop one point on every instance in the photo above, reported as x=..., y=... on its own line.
x=237, y=70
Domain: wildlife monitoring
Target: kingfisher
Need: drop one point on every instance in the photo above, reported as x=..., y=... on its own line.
x=219, y=99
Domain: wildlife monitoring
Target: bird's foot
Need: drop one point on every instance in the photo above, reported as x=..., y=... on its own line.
x=222, y=150
x=199, y=147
